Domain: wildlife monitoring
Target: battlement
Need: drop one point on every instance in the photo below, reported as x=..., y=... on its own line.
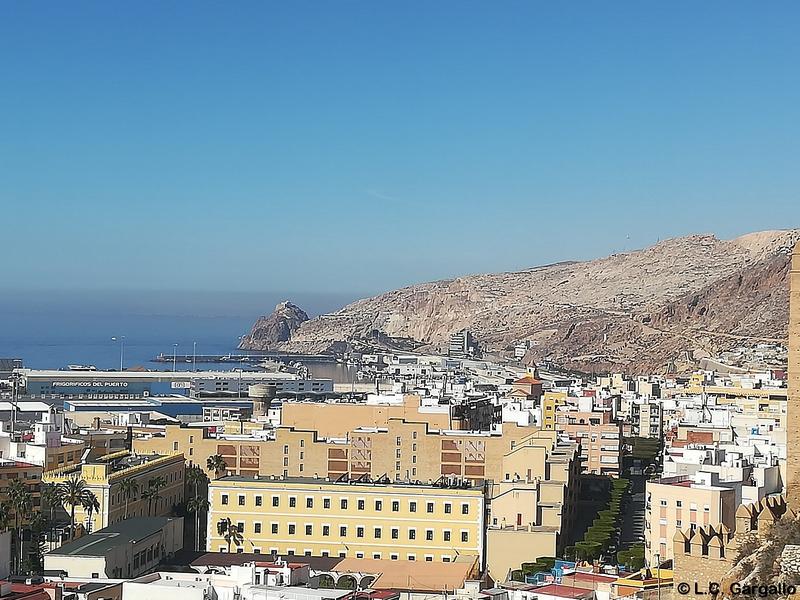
x=719, y=542
x=760, y=515
x=704, y=541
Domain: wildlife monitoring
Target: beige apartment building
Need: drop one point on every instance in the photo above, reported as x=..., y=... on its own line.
x=400, y=450
x=675, y=503
x=317, y=517
x=336, y=419
x=599, y=436
x=104, y=475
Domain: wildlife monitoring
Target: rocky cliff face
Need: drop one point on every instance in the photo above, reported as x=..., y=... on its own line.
x=638, y=311
x=278, y=327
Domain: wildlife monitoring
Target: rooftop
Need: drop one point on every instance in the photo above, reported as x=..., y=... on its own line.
x=320, y=481
x=101, y=542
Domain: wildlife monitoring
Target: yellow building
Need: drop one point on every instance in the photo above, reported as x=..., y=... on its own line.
x=315, y=517
x=550, y=402
x=104, y=475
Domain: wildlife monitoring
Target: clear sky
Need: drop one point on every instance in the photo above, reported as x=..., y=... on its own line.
x=349, y=147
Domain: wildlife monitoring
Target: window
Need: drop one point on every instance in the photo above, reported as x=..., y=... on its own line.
x=174, y=445
x=397, y=441
x=397, y=454
x=376, y=555
x=292, y=501
x=309, y=530
x=464, y=536
x=286, y=449
x=343, y=531
x=361, y=504
x=430, y=507
x=465, y=509
x=412, y=506
x=256, y=527
x=395, y=533
x=359, y=555
x=411, y=557
x=446, y=535
x=241, y=500
x=679, y=503
x=393, y=556
x=224, y=499
x=343, y=504
x=428, y=558
x=445, y=559
x=258, y=500
x=360, y=532
x=275, y=529
x=429, y=535
x=448, y=508
x=377, y=532
x=326, y=530
x=663, y=503
x=706, y=508
x=395, y=505
x=326, y=503
x=309, y=503
x=240, y=527
x=275, y=501
x=412, y=534
x=378, y=505
x=291, y=528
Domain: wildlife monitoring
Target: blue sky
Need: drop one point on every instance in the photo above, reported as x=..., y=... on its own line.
x=352, y=147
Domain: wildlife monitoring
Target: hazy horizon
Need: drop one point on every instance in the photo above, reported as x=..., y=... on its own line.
x=360, y=147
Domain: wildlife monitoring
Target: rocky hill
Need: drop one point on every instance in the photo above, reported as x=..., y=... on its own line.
x=278, y=327
x=645, y=310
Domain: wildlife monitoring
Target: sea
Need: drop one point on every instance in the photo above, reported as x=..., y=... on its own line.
x=66, y=329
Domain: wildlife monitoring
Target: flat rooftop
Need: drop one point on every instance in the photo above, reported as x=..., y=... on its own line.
x=323, y=481
x=103, y=541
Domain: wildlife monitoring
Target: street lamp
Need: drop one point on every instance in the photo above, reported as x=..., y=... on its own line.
x=174, y=356
x=121, y=340
x=240, y=383
x=658, y=575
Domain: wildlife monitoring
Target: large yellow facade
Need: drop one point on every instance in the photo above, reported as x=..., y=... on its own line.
x=101, y=479
x=314, y=517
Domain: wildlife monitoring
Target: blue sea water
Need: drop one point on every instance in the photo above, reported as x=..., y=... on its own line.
x=50, y=331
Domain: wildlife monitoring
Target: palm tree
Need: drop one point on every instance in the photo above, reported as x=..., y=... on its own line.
x=72, y=491
x=216, y=464
x=197, y=505
x=153, y=492
x=90, y=505
x=52, y=499
x=129, y=488
x=230, y=534
x=21, y=501
x=195, y=476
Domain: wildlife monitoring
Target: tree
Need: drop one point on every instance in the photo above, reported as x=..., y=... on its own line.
x=216, y=464
x=229, y=532
x=72, y=491
x=21, y=501
x=51, y=500
x=195, y=476
x=197, y=505
x=129, y=488
x=90, y=505
x=153, y=492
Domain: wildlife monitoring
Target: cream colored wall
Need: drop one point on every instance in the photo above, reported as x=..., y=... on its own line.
x=350, y=517
x=506, y=549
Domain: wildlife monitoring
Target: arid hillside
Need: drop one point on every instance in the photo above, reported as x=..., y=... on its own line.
x=646, y=310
